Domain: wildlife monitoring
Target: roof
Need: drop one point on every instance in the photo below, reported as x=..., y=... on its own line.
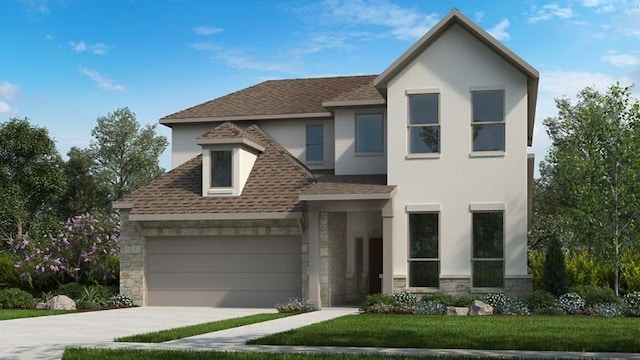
x=348, y=187
x=281, y=99
x=456, y=17
x=273, y=185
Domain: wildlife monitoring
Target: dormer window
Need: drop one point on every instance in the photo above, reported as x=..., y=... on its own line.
x=221, y=168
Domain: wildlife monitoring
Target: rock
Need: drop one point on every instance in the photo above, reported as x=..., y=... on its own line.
x=41, y=306
x=61, y=302
x=458, y=311
x=480, y=308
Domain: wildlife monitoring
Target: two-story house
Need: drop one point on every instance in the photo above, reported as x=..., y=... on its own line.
x=332, y=188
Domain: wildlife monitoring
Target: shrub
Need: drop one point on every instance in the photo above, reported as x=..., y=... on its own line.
x=387, y=304
x=548, y=311
x=633, y=303
x=539, y=299
x=593, y=294
x=504, y=305
x=119, y=300
x=94, y=296
x=375, y=300
x=15, y=298
x=570, y=303
x=440, y=297
x=605, y=310
x=429, y=307
x=554, y=276
x=73, y=290
x=466, y=300
x=404, y=298
x=585, y=269
x=9, y=274
x=496, y=300
x=295, y=305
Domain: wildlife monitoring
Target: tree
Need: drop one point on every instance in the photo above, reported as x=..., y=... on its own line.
x=125, y=155
x=593, y=167
x=31, y=178
x=554, y=276
x=84, y=192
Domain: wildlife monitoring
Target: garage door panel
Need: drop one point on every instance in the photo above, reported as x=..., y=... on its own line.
x=220, y=298
x=222, y=245
x=224, y=281
x=224, y=262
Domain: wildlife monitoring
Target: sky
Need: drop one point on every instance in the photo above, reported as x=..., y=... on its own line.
x=66, y=63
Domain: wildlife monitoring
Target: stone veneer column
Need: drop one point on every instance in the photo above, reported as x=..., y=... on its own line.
x=132, y=260
x=388, y=282
x=518, y=286
x=313, y=236
x=337, y=259
x=325, y=286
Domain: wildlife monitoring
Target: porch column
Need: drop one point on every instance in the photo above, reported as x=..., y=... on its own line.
x=387, y=247
x=314, y=257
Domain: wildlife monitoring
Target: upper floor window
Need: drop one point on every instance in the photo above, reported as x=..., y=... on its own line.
x=487, y=124
x=369, y=133
x=488, y=249
x=424, y=262
x=221, y=168
x=315, y=143
x=424, y=123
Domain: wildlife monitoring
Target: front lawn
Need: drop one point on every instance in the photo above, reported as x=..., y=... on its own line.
x=8, y=314
x=193, y=330
x=561, y=333
x=132, y=354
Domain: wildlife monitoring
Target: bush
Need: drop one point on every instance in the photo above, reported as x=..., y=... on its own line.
x=605, y=310
x=429, y=307
x=632, y=300
x=570, y=303
x=539, y=299
x=120, y=301
x=295, y=305
x=548, y=312
x=387, y=304
x=440, y=297
x=374, y=300
x=404, y=298
x=554, y=276
x=466, y=300
x=15, y=298
x=504, y=305
x=73, y=290
x=94, y=296
x=593, y=294
x=9, y=274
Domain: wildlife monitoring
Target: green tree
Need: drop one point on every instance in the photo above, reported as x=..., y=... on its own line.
x=84, y=192
x=31, y=178
x=593, y=167
x=125, y=155
x=554, y=276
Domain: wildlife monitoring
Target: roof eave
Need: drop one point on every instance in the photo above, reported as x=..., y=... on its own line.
x=191, y=120
x=216, y=216
x=342, y=197
x=354, y=103
x=231, y=141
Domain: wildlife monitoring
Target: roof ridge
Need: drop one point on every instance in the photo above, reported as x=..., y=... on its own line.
x=302, y=168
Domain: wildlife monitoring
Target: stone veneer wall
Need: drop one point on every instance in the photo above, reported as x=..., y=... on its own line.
x=518, y=287
x=455, y=286
x=132, y=239
x=333, y=229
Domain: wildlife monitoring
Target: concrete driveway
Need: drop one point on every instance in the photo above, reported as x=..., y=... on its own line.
x=46, y=337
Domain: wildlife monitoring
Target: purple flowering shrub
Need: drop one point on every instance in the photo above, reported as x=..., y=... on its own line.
x=85, y=249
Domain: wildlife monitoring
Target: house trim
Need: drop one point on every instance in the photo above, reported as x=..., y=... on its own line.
x=349, y=103
x=230, y=141
x=334, y=197
x=316, y=115
x=216, y=216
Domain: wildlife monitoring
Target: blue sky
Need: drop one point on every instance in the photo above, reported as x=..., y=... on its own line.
x=68, y=62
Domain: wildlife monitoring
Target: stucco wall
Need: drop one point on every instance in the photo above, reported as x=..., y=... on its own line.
x=455, y=65
x=348, y=162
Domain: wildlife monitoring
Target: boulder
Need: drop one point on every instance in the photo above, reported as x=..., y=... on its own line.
x=41, y=306
x=458, y=311
x=480, y=308
x=61, y=302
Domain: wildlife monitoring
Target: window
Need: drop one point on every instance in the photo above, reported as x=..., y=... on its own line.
x=424, y=125
x=369, y=133
x=221, y=168
x=488, y=120
x=315, y=143
x=424, y=264
x=488, y=249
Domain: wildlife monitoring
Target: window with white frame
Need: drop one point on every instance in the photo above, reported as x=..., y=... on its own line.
x=488, y=249
x=424, y=123
x=221, y=168
x=424, y=261
x=315, y=143
x=488, y=124
x=369, y=133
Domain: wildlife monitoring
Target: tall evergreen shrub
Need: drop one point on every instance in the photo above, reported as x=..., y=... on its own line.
x=554, y=276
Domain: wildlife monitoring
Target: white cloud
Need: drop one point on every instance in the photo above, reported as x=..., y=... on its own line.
x=621, y=60
x=78, y=46
x=551, y=11
x=8, y=90
x=99, y=49
x=403, y=23
x=206, y=30
x=5, y=108
x=600, y=6
x=236, y=59
x=49, y=37
x=103, y=81
x=478, y=15
x=499, y=31
x=321, y=42
x=205, y=46
x=37, y=6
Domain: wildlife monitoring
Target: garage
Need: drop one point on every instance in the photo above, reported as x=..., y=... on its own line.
x=232, y=271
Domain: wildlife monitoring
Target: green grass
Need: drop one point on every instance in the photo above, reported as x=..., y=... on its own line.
x=8, y=314
x=133, y=354
x=193, y=330
x=561, y=333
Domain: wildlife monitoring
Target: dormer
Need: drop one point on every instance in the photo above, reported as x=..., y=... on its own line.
x=228, y=155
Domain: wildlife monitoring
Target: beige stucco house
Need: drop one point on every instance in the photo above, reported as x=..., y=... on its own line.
x=333, y=188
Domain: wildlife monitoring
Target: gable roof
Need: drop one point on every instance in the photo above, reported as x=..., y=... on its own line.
x=277, y=99
x=456, y=17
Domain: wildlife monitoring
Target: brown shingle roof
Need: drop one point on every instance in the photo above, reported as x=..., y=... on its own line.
x=280, y=97
x=273, y=185
x=327, y=184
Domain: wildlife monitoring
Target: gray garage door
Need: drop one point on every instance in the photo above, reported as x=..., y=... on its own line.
x=223, y=271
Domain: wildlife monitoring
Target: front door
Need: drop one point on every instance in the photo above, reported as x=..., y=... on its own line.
x=375, y=265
